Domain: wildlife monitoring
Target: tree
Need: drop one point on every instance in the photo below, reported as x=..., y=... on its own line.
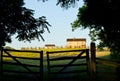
x=101, y=46
x=101, y=16
x=8, y=47
x=15, y=19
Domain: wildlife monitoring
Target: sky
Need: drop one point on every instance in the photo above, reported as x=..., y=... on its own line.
x=60, y=20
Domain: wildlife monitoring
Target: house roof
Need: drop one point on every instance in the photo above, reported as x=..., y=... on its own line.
x=49, y=45
x=76, y=39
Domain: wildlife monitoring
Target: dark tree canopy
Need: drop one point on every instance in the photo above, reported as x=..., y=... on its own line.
x=102, y=16
x=15, y=19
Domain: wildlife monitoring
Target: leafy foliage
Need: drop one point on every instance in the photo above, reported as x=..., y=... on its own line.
x=67, y=3
x=101, y=16
x=8, y=47
x=17, y=19
x=101, y=46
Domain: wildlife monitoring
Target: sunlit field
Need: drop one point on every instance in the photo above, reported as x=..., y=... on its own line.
x=28, y=54
x=101, y=54
x=36, y=55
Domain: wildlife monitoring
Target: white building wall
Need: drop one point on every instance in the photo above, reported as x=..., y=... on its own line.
x=76, y=44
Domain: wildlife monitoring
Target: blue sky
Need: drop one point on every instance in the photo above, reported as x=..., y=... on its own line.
x=60, y=20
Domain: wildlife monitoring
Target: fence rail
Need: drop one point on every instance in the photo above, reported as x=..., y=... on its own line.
x=66, y=67
x=108, y=62
x=8, y=57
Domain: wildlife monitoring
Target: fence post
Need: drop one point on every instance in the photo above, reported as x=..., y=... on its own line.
x=88, y=61
x=1, y=63
x=41, y=66
x=93, y=60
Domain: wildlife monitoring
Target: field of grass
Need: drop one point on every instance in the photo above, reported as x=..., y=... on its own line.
x=100, y=54
x=107, y=70
x=103, y=54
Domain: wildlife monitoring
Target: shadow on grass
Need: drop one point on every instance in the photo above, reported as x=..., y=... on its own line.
x=104, y=73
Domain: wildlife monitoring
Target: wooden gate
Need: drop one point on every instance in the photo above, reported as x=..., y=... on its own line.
x=16, y=65
x=68, y=65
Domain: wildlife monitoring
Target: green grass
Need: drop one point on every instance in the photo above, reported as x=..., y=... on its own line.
x=103, y=54
x=100, y=54
x=104, y=72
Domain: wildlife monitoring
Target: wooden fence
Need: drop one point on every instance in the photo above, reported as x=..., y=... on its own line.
x=73, y=62
x=104, y=69
x=61, y=65
x=67, y=64
x=14, y=58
